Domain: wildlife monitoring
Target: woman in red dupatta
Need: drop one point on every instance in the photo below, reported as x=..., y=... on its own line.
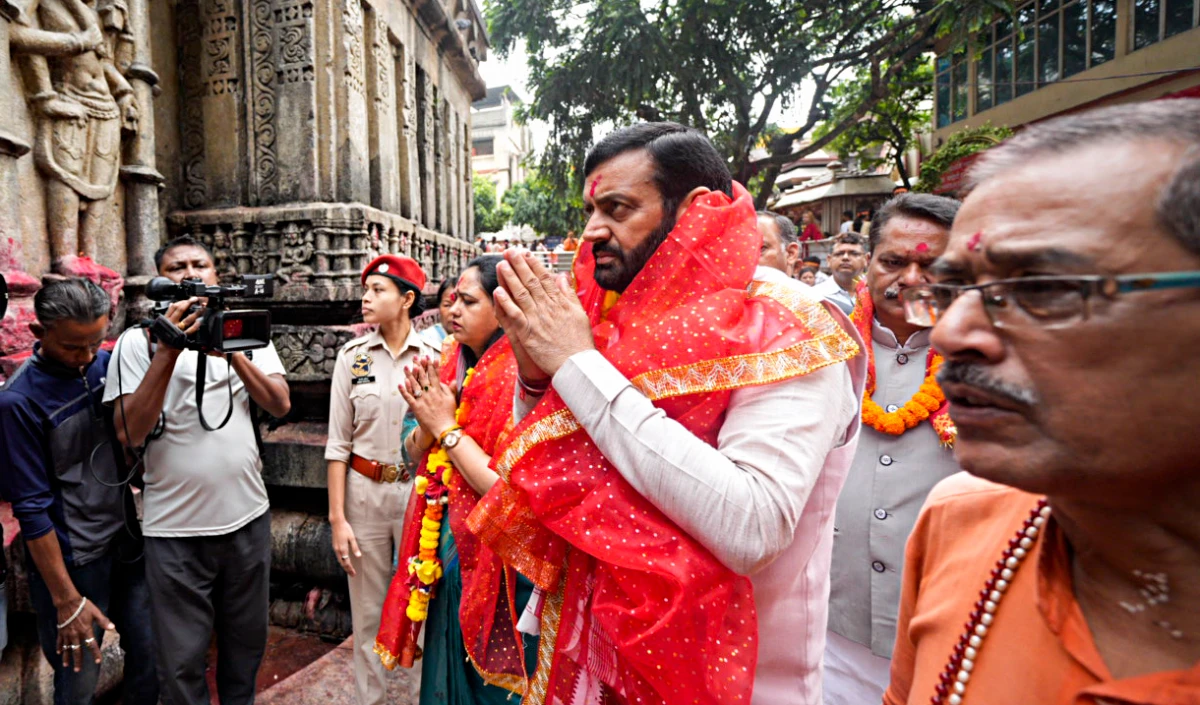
x=480, y=363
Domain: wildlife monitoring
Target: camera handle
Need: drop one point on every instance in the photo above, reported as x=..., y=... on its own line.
x=201, y=373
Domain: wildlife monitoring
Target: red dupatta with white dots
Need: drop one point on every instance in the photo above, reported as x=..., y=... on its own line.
x=636, y=610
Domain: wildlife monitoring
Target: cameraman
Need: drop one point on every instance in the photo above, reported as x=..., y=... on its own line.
x=207, y=524
x=61, y=474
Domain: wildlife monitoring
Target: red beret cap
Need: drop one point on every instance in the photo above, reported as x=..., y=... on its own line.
x=399, y=267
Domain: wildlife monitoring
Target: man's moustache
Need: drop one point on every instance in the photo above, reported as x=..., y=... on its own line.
x=607, y=249
x=971, y=374
x=891, y=293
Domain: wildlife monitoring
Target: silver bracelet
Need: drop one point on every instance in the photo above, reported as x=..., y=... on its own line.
x=78, y=611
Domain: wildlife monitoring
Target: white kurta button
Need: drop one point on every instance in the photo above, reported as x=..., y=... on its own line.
x=885, y=460
x=902, y=359
x=878, y=567
x=881, y=514
x=891, y=408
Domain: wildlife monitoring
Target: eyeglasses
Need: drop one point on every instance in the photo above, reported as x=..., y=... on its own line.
x=1049, y=302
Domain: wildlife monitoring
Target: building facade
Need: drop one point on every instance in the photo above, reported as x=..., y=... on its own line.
x=499, y=142
x=1064, y=55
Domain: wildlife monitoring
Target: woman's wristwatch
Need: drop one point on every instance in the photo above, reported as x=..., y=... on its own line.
x=450, y=437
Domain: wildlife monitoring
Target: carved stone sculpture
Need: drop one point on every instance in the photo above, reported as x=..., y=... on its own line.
x=72, y=51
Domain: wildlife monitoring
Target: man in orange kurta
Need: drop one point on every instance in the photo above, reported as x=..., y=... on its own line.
x=1067, y=571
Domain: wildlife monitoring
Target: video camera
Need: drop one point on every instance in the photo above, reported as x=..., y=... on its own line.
x=220, y=330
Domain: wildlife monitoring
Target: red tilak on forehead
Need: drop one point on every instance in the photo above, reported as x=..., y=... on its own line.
x=922, y=247
x=975, y=241
x=592, y=193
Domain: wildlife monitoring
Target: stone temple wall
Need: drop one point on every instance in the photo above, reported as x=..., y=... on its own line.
x=298, y=138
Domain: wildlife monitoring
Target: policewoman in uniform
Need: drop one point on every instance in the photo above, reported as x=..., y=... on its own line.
x=369, y=485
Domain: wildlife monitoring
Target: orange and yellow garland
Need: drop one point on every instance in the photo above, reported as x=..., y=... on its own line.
x=928, y=403
x=425, y=569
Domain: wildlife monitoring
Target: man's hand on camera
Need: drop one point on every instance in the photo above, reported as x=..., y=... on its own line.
x=189, y=323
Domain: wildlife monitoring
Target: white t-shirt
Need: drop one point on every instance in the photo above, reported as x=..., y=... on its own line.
x=198, y=482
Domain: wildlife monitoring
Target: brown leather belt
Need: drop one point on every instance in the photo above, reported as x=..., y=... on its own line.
x=377, y=471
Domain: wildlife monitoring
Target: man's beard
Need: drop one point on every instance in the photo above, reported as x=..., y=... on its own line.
x=619, y=274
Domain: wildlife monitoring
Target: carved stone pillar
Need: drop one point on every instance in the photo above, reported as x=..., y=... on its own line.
x=222, y=95
x=410, y=167
x=464, y=176
x=354, y=176
x=143, y=231
x=12, y=147
x=290, y=101
x=469, y=187
x=425, y=138
x=384, y=135
x=439, y=160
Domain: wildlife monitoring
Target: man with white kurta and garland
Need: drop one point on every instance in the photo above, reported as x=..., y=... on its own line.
x=683, y=434
x=1065, y=568
x=903, y=451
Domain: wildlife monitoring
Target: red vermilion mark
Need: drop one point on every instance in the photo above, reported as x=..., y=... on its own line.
x=592, y=193
x=922, y=247
x=974, y=242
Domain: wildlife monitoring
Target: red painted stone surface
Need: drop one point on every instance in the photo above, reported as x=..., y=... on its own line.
x=16, y=340
x=300, y=669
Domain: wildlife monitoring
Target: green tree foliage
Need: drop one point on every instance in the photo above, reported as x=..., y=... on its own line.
x=536, y=203
x=888, y=129
x=958, y=145
x=490, y=216
x=719, y=65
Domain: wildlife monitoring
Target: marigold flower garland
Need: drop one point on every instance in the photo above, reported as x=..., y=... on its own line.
x=928, y=399
x=425, y=569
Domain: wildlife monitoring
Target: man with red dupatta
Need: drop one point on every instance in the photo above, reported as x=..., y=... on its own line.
x=683, y=433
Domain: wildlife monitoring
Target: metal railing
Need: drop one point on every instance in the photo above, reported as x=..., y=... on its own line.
x=555, y=261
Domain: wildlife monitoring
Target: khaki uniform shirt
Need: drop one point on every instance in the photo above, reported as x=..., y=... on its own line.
x=887, y=485
x=366, y=411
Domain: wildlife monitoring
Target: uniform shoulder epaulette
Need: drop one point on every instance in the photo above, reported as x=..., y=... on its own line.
x=353, y=343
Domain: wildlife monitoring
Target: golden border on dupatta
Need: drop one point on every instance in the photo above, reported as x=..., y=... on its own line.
x=557, y=425
x=507, y=681
x=539, y=685
x=829, y=344
x=512, y=683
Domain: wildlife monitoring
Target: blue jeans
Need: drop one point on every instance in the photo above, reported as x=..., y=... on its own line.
x=118, y=589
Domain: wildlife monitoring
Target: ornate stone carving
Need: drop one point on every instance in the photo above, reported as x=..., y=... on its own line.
x=83, y=104
x=294, y=62
x=308, y=354
x=220, y=242
x=261, y=251
x=352, y=20
x=298, y=252
x=265, y=174
x=220, y=61
x=382, y=53
x=408, y=130
x=195, y=190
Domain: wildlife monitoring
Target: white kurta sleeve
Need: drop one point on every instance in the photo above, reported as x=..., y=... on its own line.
x=743, y=499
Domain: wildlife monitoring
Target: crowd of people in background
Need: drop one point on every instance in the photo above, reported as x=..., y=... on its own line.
x=576, y=490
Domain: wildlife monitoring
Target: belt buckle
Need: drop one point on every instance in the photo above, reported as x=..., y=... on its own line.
x=390, y=473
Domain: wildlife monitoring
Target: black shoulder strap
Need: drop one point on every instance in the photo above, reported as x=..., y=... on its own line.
x=258, y=441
